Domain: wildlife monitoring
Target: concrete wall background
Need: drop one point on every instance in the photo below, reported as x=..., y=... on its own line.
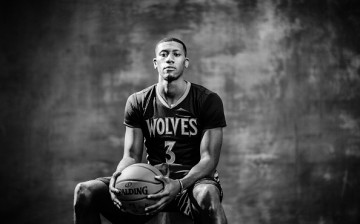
x=287, y=71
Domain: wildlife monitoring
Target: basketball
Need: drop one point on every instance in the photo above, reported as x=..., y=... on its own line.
x=135, y=183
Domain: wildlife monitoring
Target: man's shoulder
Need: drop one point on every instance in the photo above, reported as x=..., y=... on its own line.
x=202, y=91
x=144, y=93
x=146, y=90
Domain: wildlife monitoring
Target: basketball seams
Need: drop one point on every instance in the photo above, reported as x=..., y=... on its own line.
x=139, y=180
x=144, y=166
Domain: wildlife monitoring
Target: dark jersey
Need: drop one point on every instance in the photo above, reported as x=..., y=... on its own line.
x=173, y=133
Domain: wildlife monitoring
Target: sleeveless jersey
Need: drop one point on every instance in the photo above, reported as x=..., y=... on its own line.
x=173, y=134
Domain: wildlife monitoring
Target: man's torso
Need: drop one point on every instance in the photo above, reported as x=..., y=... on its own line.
x=173, y=134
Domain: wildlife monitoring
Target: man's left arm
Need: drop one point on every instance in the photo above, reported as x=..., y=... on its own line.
x=210, y=148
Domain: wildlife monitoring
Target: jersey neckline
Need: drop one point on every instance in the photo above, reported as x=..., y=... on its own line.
x=163, y=101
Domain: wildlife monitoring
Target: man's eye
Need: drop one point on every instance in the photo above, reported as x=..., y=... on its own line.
x=177, y=55
x=163, y=54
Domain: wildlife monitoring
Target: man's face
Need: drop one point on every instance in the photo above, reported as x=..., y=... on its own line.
x=170, y=60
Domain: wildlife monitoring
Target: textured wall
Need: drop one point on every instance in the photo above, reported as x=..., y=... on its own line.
x=287, y=71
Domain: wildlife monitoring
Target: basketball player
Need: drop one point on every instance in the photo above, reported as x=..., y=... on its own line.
x=181, y=123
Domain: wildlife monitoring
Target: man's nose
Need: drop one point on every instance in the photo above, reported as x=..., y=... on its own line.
x=170, y=58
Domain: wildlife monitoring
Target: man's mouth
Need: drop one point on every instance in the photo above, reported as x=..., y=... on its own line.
x=169, y=68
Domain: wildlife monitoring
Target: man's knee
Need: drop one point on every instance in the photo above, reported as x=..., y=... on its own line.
x=207, y=197
x=83, y=194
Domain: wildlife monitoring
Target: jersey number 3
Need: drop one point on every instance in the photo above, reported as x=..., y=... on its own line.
x=170, y=155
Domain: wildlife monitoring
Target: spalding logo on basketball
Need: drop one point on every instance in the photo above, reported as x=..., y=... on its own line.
x=135, y=183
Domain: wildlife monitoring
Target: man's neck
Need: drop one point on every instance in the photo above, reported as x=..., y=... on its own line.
x=172, y=91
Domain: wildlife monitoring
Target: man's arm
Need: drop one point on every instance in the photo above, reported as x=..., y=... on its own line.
x=133, y=150
x=210, y=148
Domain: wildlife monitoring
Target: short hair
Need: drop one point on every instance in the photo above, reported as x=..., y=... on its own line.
x=169, y=39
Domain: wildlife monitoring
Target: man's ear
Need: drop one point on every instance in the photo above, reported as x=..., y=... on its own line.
x=155, y=63
x=186, y=62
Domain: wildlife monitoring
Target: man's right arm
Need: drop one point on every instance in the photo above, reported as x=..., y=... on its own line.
x=133, y=150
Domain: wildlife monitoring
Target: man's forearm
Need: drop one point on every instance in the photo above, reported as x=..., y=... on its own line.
x=210, y=148
x=125, y=162
x=133, y=148
x=205, y=167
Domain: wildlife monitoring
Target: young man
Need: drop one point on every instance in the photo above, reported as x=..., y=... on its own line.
x=181, y=124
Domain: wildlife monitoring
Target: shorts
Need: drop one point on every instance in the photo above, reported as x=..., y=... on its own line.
x=185, y=202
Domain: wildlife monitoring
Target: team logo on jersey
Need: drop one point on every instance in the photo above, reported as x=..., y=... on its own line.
x=172, y=126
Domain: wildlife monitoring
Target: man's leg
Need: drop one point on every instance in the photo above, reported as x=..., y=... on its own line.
x=208, y=198
x=85, y=206
x=92, y=198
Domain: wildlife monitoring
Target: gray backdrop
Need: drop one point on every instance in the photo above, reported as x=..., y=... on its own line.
x=288, y=72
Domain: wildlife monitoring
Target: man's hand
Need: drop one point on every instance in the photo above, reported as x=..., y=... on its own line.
x=113, y=190
x=171, y=189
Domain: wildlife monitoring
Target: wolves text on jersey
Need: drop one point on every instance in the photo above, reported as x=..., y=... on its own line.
x=172, y=126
